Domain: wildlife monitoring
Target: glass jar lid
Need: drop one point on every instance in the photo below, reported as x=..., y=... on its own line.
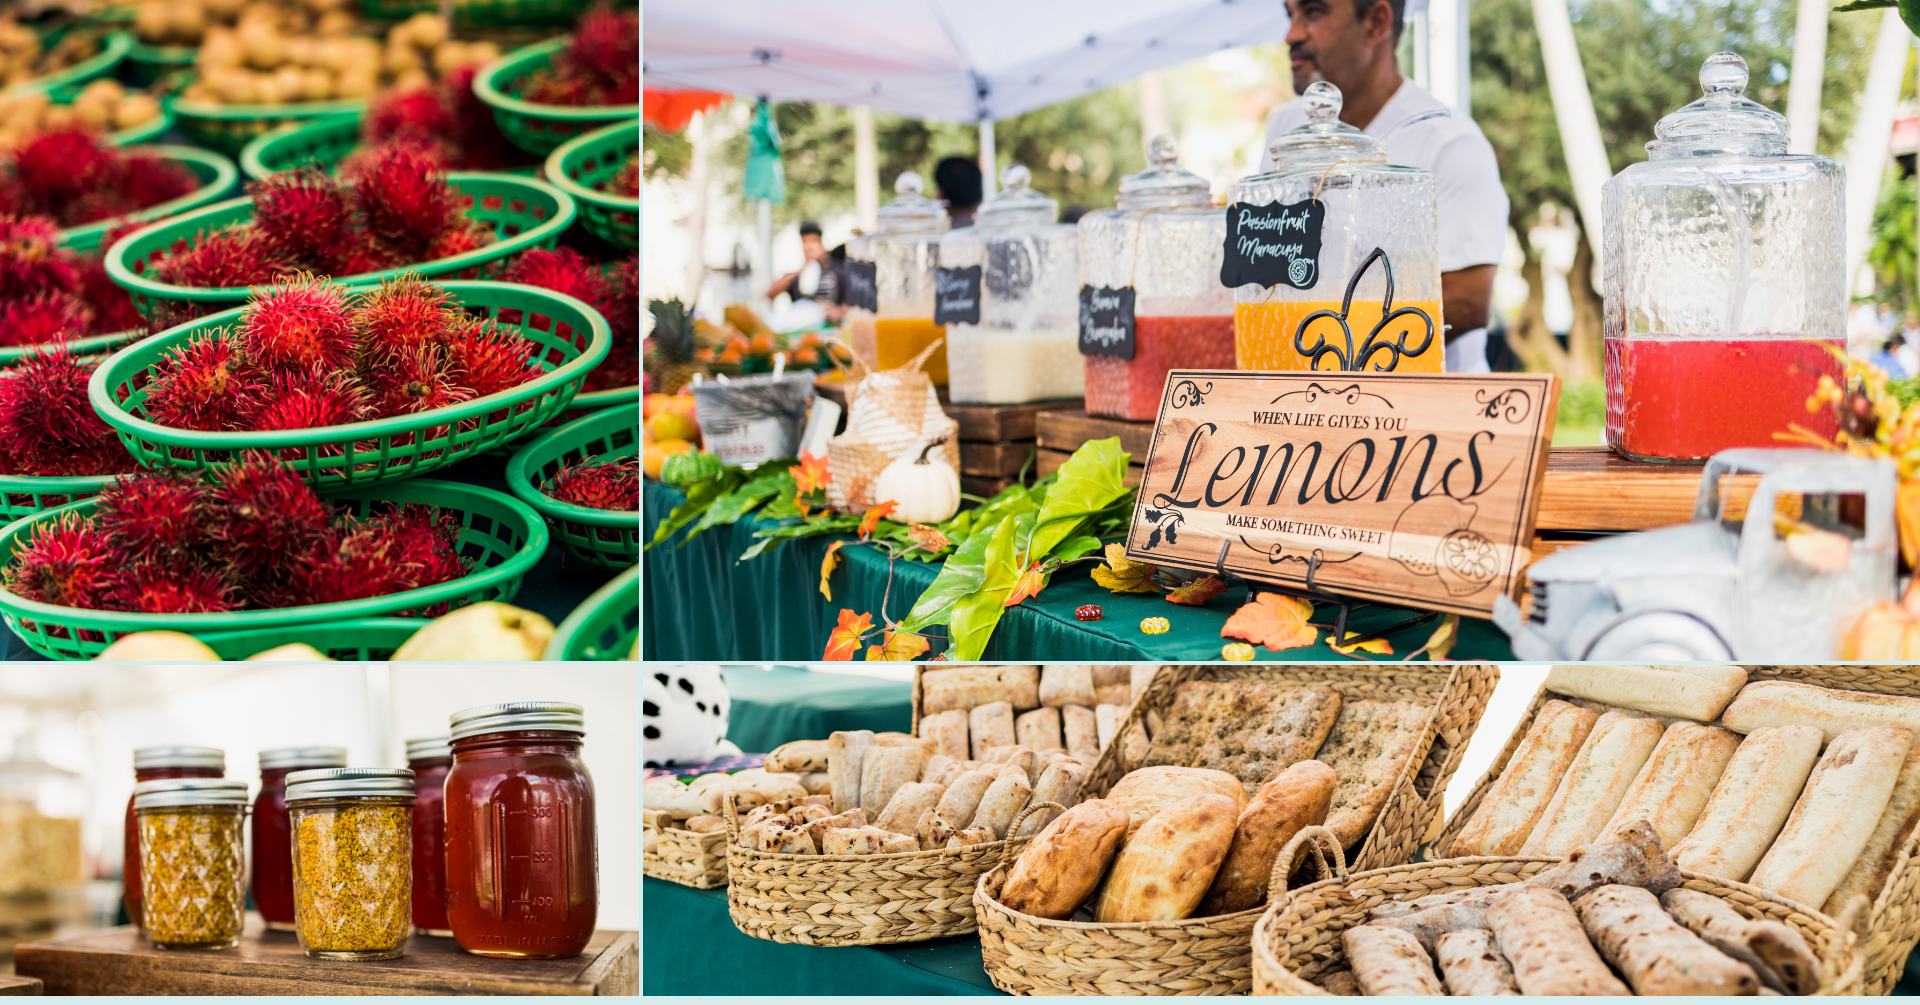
x=1324, y=139
x=145, y=758
x=1016, y=203
x=1164, y=182
x=163, y=792
x=557, y=716
x=1723, y=112
x=343, y=783
x=307, y=757
x=911, y=211
x=422, y=748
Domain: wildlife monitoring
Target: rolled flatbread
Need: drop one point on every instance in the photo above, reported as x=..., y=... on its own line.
x=846, y=752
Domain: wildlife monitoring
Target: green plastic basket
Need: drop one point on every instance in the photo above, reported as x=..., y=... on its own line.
x=605, y=624
x=217, y=177
x=320, y=141
x=524, y=213
x=146, y=132
x=535, y=128
x=113, y=49
x=569, y=337
x=596, y=536
x=580, y=165
x=358, y=640
x=227, y=128
x=481, y=11
x=503, y=536
x=148, y=63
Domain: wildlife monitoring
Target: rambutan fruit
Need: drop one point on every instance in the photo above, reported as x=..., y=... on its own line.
x=113, y=307
x=202, y=385
x=426, y=537
x=65, y=562
x=621, y=368
x=401, y=191
x=266, y=514
x=236, y=255
x=404, y=312
x=156, y=514
x=297, y=324
x=307, y=400
x=44, y=409
x=409, y=111
x=597, y=485
x=151, y=180
x=489, y=359
x=477, y=138
x=606, y=44
x=30, y=257
x=304, y=213
x=181, y=586
x=51, y=316
x=562, y=270
x=414, y=379
x=626, y=180
x=59, y=166
x=458, y=240
x=349, y=565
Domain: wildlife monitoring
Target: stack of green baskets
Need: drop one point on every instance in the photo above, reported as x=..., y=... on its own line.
x=148, y=63
x=503, y=536
x=217, y=178
x=321, y=141
x=604, y=626
x=538, y=128
x=596, y=536
x=569, y=339
x=524, y=214
x=227, y=128
x=481, y=11
x=357, y=639
x=579, y=167
x=113, y=49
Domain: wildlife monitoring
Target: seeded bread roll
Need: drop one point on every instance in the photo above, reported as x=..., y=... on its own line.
x=1062, y=866
x=990, y=726
x=1295, y=798
x=1078, y=728
x=1060, y=783
x=846, y=752
x=1167, y=865
x=1540, y=935
x=1785, y=703
x=1039, y=729
x=1120, y=694
x=1874, y=867
x=798, y=757
x=1685, y=691
x=817, y=829
x=1517, y=799
x=1066, y=684
x=1472, y=965
x=1003, y=799
x=1145, y=791
x=1837, y=814
x=960, y=688
x=1673, y=786
x=1777, y=953
x=1387, y=961
x=903, y=811
x=962, y=797
x=933, y=831
x=884, y=771
x=1751, y=802
x=817, y=783
x=1594, y=786
x=971, y=836
x=948, y=731
x=1657, y=955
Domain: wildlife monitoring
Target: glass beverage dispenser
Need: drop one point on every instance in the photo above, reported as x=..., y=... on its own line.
x=890, y=283
x=1300, y=247
x=1162, y=244
x=1725, y=289
x=1007, y=290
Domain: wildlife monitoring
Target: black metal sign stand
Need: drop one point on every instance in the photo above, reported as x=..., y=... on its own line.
x=1315, y=594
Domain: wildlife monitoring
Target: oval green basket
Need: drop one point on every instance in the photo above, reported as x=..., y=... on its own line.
x=113, y=49
x=532, y=127
x=217, y=178
x=524, y=213
x=581, y=164
x=481, y=11
x=604, y=626
x=143, y=133
x=227, y=128
x=321, y=141
x=358, y=640
x=148, y=63
x=503, y=535
x=595, y=536
x=569, y=338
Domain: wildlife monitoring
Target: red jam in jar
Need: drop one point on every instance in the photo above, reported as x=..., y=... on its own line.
x=150, y=763
x=273, y=829
x=522, y=869
x=430, y=757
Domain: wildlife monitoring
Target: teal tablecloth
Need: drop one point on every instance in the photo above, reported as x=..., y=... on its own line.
x=701, y=604
x=770, y=707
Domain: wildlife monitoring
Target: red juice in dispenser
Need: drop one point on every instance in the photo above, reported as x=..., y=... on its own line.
x=1130, y=388
x=1754, y=387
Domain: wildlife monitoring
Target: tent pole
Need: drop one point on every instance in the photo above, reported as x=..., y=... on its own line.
x=1803, y=87
x=1573, y=109
x=699, y=135
x=1872, y=134
x=765, y=278
x=866, y=171
x=987, y=159
x=1444, y=66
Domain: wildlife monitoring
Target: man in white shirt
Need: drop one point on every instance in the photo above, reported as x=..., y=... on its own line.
x=1350, y=44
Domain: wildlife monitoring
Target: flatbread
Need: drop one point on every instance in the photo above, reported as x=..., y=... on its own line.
x=1368, y=749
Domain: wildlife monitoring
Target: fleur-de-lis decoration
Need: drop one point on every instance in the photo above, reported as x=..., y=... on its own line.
x=1350, y=358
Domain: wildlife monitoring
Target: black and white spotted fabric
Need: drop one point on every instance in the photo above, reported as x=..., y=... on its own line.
x=685, y=714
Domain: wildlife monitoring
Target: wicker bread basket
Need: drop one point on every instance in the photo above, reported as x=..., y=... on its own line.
x=1297, y=940
x=682, y=856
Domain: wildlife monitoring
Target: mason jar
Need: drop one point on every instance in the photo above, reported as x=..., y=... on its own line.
x=352, y=861
x=152, y=764
x=193, y=861
x=430, y=758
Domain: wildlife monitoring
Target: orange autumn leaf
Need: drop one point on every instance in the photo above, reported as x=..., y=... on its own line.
x=1030, y=583
x=810, y=473
x=1379, y=647
x=1123, y=576
x=927, y=538
x=827, y=565
x=900, y=647
x=1274, y=620
x=1198, y=592
x=873, y=515
x=844, y=640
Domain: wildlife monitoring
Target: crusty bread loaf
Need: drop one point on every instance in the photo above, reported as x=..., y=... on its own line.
x=1062, y=866
x=1145, y=791
x=1687, y=691
x=990, y=726
x=1607, y=764
x=1003, y=799
x=798, y=757
x=867, y=840
x=1059, y=783
x=1371, y=747
x=818, y=829
x=1168, y=864
x=1066, y=684
x=963, y=795
x=1039, y=729
x=1751, y=801
x=1295, y=798
x=1472, y=965
x=846, y=752
x=1387, y=961
x=1515, y=801
x=933, y=831
x=1120, y=694
x=1675, y=783
x=1023, y=686
x=1777, y=953
x=1537, y=931
x=1787, y=703
x=817, y=783
x=961, y=688
x=1109, y=674
x=1079, y=729
x=1875, y=865
x=971, y=835
x=884, y=771
x=902, y=812
x=1657, y=955
x=948, y=731
x=1837, y=814
x=1107, y=719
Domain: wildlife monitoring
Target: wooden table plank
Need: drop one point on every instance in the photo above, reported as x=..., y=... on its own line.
x=994, y=460
x=994, y=423
x=1593, y=488
x=1067, y=429
x=11, y=984
x=119, y=961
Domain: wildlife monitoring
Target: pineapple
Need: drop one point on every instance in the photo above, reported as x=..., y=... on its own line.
x=671, y=362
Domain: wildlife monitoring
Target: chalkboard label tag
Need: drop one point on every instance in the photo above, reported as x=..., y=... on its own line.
x=956, y=296
x=863, y=288
x=1274, y=244
x=1106, y=321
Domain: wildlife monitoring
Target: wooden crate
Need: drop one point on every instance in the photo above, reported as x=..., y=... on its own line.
x=681, y=856
x=118, y=961
x=13, y=985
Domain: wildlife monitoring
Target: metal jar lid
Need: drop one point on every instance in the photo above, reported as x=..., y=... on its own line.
x=421, y=748
x=303, y=757
x=145, y=758
x=163, y=792
x=341, y=783
x=556, y=716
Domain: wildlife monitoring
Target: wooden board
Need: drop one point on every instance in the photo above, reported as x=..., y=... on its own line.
x=1593, y=488
x=119, y=961
x=995, y=460
x=14, y=985
x=987, y=488
x=1067, y=429
x=994, y=423
x=1411, y=489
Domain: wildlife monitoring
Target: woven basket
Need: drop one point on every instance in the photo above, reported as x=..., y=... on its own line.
x=1297, y=941
x=1458, y=695
x=681, y=856
x=854, y=900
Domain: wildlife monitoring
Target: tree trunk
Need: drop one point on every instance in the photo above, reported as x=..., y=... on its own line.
x=1530, y=339
x=1585, y=344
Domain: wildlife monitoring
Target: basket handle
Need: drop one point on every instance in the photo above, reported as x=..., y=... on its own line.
x=1006, y=849
x=1318, y=840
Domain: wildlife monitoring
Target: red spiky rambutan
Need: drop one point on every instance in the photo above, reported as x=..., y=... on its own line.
x=562, y=270
x=349, y=565
x=307, y=400
x=304, y=213
x=597, y=485
x=414, y=379
x=156, y=514
x=404, y=312
x=400, y=189
x=626, y=180
x=65, y=562
x=606, y=44
x=61, y=165
x=477, y=138
x=236, y=255
x=411, y=111
x=151, y=180
x=181, y=586
x=427, y=537
x=113, y=307
x=621, y=368
x=266, y=514
x=51, y=316
x=458, y=241
x=489, y=359
x=298, y=324
x=30, y=257
x=202, y=385
x=44, y=410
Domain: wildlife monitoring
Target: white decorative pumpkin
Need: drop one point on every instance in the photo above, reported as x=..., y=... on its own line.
x=926, y=488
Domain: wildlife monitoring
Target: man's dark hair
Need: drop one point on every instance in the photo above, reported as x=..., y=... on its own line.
x=810, y=227
x=1399, y=8
x=959, y=181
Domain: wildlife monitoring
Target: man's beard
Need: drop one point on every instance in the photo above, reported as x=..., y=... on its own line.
x=1313, y=73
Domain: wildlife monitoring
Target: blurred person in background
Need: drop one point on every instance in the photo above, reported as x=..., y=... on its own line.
x=958, y=179
x=819, y=279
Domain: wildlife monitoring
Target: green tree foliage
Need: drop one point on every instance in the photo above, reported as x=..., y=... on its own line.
x=1892, y=253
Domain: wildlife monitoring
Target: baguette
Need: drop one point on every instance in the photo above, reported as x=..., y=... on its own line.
x=1785, y=703
x=846, y=752
x=1837, y=814
x=1295, y=798
x=1066, y=684
x=1674, y=785
x=948, y=731
x=1387, y=961
x=1166, y=867
x=904, y=809
x=1003, y=799
x=1062, y=867
x=1875, y=865
x=963, y=795
x=1471, y=964
x=1079, y=728
x=1537, y=931
x=1777, y=953
x=990, y=726
x=798, y=757
x=1039, y=729
x=1615, y=750
x=1750, y=803
x=1517, y=799
x=1656, y=954
x=960, y=688
x=1059, y=783
x=1681, y=690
